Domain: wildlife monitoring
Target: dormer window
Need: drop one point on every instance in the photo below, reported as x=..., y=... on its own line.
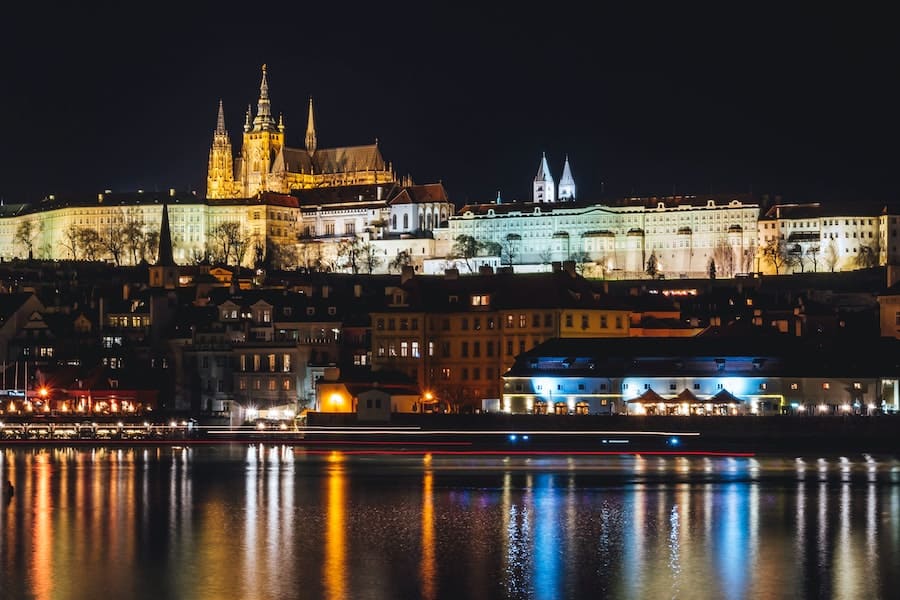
x=332, y=310
x=453, y=299
x=310, y=310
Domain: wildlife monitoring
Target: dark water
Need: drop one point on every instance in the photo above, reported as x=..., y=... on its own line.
x=271, y=521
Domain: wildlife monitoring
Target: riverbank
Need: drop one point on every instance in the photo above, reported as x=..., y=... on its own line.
x=502, y=433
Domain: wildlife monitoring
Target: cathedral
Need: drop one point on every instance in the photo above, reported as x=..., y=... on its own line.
x=266, y=164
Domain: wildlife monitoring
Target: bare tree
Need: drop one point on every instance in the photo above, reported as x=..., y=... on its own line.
x=111, y=239
x=813, y=253
x=723, y=256
x=26, y=233
x=150, y=249
x=402, y=259
x=349, y=254
x=581, y=260
x=465, y=247
x=832, y=257
x=511, y=248
x=490, y=248
x=545, y=255
x=89, y=242
x=369, y=257
x=774, y=254
x=225, y=240
x=70, y=240
x=652, y=265
x=134, y=236
x=867, y=256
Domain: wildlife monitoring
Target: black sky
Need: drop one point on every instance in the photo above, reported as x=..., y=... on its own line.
x=123, y=97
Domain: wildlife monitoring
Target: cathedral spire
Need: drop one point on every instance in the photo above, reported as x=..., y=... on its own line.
x=165, y=256
x=220, y=121
x=310, y=131
x=247, y=125
x=263, y=120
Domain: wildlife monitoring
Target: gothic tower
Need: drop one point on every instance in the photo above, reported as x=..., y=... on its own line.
x=263, y=140
x=220, y=174
x=310, y=131
x=567, y=183
x=544, y=185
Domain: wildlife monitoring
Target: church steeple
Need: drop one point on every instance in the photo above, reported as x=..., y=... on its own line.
x=566, y=183
x=263, y=120
x=164, y=274
x=220, y=120
x=310, y=131
x=544, y=184
x=165, y=256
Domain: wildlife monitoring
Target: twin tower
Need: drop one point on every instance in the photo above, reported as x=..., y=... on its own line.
x=545, y=190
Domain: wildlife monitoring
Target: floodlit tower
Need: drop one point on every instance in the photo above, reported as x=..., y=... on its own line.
x=544, y=184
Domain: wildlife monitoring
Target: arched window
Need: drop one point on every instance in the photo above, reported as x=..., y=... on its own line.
x=428, y=221
x=393, y=221
x=405, y=221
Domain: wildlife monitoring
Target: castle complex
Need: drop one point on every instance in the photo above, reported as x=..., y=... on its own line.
x=324, y=208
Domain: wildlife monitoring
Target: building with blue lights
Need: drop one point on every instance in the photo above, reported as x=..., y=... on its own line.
x=711, y=374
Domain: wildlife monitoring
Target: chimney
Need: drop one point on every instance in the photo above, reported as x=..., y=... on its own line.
x=485, y=270
x=357, y=290
x=451, y=273
x=555, y=266
x=569, y=267
x=326, y=290
x=406, y=273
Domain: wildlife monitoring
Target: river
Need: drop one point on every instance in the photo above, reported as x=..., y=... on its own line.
x=270, y=521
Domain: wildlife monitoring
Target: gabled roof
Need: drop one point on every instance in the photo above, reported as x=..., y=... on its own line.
x=723, y=396
x=421, y=194
x=649, y=396
x=686, y=395
x=333, y=160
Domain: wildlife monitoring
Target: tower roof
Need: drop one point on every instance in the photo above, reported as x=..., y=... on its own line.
x=263, y=120
x=165, y=256
x=311, y=130
x=543, y=173
x=566, y=174
x=220, y=120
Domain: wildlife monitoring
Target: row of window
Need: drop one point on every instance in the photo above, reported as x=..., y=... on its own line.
x=255, y=362
x=271, y=384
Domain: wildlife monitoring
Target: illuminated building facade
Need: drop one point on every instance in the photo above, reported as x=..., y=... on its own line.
x=703, y=376
x=456, y=335
x=683, y=233
x=266, y=164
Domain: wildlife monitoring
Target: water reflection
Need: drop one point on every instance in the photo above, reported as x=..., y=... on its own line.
x=269, y=521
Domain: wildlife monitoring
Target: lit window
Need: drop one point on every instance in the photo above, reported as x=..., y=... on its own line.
x=795, y=386
x=826, y=386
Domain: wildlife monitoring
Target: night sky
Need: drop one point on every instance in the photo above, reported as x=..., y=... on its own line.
x=124, y=97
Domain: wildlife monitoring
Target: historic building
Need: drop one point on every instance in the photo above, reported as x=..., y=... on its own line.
x=266, y=164
x=682, y=233
x=545, y=189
